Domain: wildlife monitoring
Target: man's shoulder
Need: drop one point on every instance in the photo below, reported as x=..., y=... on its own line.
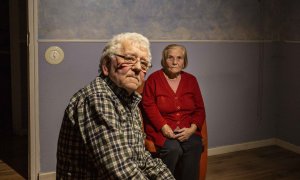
x=95, y=87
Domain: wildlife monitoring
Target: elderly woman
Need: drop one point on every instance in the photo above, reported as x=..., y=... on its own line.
x=174, y=108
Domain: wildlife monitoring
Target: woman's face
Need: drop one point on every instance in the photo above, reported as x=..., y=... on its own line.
x=174, y=61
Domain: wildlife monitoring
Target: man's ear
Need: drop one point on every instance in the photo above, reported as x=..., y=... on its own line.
x=104, y=67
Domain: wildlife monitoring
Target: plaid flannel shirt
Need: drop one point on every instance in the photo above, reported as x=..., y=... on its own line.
x=101, y=137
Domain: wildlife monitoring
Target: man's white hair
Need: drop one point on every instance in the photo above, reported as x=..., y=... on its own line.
x=115, y=45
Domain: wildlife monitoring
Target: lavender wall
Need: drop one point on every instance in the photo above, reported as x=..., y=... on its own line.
x=227, y=73
x=289, y=97
x=57, y=83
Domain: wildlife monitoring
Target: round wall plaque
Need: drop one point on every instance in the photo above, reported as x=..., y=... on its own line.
x=54, y=55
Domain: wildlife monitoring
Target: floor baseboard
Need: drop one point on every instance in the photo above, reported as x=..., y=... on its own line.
x=252, y=145
x=287, y=145
x=47, y=176
x=240, y=147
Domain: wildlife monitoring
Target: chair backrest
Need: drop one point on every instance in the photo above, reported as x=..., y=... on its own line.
x=149, y=145
x=203, y=160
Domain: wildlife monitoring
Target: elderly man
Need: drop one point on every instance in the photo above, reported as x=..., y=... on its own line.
x=101, y=136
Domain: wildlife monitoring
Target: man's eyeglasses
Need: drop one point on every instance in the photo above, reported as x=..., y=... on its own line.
x=132, y=60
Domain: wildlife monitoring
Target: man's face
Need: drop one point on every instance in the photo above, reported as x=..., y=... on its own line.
x=129, y=77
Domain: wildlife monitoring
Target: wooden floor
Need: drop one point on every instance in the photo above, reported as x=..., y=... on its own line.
x=13, y=156
x=7, y=173
x=266, y=163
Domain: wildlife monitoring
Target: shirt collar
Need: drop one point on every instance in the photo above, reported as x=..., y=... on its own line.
x=130, y=100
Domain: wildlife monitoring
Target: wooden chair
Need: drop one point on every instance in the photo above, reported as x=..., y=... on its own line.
x=150, y=146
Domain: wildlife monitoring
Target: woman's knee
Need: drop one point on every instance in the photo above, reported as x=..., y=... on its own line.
x=194, y=143
x=172, y=147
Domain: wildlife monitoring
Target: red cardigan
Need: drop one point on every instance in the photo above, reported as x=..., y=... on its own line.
x=162, y=106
